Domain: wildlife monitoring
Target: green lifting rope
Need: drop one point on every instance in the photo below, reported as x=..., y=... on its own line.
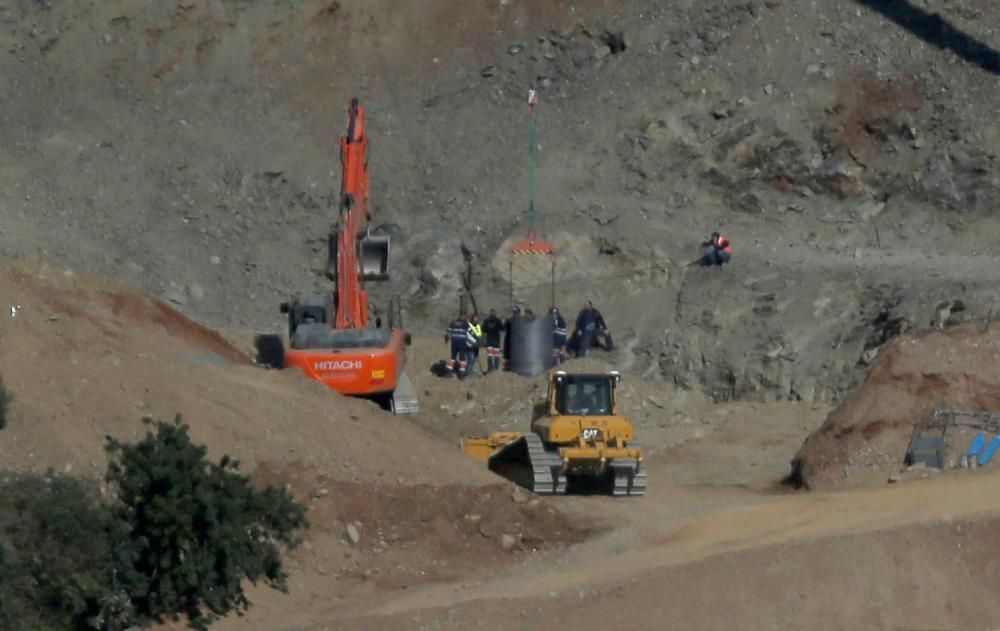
x=532, y=162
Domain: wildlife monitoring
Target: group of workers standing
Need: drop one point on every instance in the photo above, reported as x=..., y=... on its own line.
x=466, y=335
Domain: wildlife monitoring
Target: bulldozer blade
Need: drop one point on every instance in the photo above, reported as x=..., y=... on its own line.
x=479, y=448
x=374, y=254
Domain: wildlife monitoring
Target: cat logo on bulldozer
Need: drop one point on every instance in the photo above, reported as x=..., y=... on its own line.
x=338, y=365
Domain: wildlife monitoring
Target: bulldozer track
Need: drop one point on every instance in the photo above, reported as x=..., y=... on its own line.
x=629, y=476
x=547, y=467
x=526, y=463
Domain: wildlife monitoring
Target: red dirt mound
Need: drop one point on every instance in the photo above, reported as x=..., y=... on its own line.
x=131, y=306
x=84, y=358
x=51, y=293
x=865, y=438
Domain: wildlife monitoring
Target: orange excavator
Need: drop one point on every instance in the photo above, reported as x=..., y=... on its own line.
x=330, y=336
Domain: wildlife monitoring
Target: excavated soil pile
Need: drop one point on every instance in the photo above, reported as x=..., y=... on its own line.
x=401, y=536
x=866, y=437
x=85, y=358
x=391, y=506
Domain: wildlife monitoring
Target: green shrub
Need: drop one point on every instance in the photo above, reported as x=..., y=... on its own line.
x=178, y=537
x=58, y=556
x=198, y=528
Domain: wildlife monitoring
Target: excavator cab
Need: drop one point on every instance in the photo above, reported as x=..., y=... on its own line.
x=306, y=311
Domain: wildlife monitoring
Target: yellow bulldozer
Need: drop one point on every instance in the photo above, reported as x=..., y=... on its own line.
x=580, y=441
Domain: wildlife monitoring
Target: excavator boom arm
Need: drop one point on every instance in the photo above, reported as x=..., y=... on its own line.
x=351, y=299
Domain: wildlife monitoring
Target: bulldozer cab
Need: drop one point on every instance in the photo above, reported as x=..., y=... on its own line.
x=582, y=394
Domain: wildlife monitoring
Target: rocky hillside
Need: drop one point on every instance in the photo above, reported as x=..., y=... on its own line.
x=186, y=148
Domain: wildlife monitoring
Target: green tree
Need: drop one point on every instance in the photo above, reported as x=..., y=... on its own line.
x=5, y=398
x=58, y=556
x=199, y=529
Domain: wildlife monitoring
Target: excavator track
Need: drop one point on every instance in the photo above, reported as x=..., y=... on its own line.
x=526, y=462
x=404, y=397
x=629, y=476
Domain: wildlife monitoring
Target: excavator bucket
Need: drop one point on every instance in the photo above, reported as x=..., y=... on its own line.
x=374, y=257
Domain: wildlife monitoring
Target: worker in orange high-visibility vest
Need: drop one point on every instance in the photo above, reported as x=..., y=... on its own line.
x=718, y=250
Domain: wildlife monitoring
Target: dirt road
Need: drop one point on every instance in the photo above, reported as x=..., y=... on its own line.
x=672, y=554
x=659, y=535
